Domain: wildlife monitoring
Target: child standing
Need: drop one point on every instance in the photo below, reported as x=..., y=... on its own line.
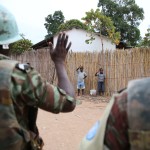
x=101, y=82
x=81, y=75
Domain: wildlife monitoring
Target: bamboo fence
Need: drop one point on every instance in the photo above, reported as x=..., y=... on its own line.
x=119, y=66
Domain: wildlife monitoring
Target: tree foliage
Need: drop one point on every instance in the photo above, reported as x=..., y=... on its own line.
x=73, y=23
x=146, y=40
x=21, y=46
x=53, y=22
x=126, y=16
x=98, y=23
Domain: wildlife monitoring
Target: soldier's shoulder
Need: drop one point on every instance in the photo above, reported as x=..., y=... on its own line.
x=25, y=67
x=20, y=72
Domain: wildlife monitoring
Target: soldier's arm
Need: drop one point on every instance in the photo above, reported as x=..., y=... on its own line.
x=61, y=98
x=57, y=100
x=30, y=88
x=35, y=91
x=58, y=55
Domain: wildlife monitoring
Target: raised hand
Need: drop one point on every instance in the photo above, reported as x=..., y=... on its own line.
x=58, y=54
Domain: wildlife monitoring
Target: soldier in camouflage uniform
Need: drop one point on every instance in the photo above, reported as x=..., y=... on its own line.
x=23, y=91
x=125, y=124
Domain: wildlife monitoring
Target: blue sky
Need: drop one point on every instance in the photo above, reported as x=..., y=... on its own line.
x=30, y=14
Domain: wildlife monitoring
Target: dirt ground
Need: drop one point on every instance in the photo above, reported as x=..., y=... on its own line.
x=64, y=131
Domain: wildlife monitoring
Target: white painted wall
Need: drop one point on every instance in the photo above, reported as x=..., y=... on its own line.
x=78, y=37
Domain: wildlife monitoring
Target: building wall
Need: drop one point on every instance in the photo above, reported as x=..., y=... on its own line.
x=78, y=37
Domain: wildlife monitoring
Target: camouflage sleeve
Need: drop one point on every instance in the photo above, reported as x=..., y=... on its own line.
x=116, y=133
x=32, y=89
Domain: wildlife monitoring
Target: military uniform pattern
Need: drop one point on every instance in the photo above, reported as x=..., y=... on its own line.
x=116, y=133
x=28, y=89
x=125, y=123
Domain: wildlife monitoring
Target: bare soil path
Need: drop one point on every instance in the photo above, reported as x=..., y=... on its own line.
x=64, y=131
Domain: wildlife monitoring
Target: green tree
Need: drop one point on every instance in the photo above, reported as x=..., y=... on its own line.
x=73, y=23
x=98, y=23
x=146, y=40
x=126, y=15
x=53, y=22
x=21, y=46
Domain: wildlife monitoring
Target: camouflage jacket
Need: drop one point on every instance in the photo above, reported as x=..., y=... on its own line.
x=125, y=123
x=29, y=90
x=116, y=132
x=111, y=131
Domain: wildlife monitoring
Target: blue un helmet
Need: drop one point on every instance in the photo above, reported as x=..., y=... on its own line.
x=8, y=27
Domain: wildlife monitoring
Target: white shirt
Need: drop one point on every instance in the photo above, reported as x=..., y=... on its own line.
x=81, y=75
